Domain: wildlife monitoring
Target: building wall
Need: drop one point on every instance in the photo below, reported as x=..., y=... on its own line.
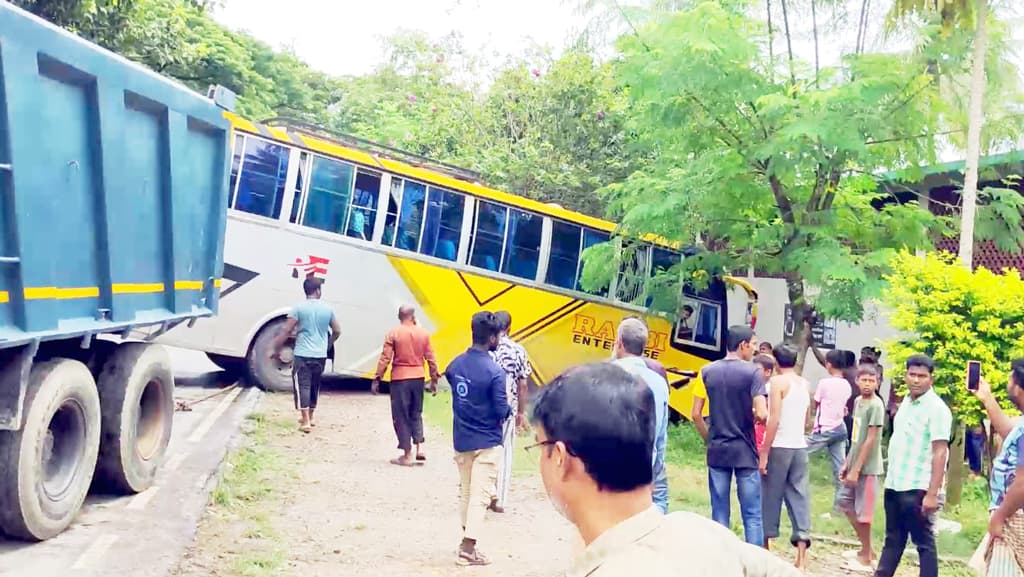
x=873, y=330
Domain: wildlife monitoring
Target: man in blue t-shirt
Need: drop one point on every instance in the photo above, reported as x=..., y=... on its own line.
x=317, y=328
x=630, y=342
x=479, y=410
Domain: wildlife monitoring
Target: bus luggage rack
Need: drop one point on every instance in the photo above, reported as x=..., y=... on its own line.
x=384, y=150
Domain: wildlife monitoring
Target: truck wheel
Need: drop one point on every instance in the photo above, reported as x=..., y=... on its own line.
x=46, y=467
x=226, y=363
x=271, y=374
x=136, y=390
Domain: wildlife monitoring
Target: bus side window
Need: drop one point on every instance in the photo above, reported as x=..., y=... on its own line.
x=661, y=260
x=522, y=253
x=363, y=212
x=410, y=220
x=591, y=237
x=261, y=178
x=633, y=271
x=488, y=235
x=327, y=201
x=300, y=187
x=443, y=227
x=236, y=164
x=391, y=220
x=566, y=245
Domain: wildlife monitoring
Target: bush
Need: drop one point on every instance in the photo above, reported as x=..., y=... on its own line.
x=954, y=315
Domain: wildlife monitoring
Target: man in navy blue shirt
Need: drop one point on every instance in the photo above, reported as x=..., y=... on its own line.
x=479, y=408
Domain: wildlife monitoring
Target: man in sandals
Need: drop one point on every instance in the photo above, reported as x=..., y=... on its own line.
x=511, y=357
x=406, y=348
x=479, y=411
x=317, y=328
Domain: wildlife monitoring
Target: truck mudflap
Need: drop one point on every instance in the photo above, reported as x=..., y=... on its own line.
x=15, y=364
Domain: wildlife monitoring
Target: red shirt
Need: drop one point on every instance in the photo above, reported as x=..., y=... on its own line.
x=406, y=348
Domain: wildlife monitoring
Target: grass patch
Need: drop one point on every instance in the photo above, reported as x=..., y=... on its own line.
x=688, y=490
x=246, y=495
x=437, y=413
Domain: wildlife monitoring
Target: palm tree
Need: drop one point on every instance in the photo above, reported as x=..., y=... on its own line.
x=965, y=13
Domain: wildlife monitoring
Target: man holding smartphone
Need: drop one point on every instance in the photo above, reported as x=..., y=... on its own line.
x=917, y=463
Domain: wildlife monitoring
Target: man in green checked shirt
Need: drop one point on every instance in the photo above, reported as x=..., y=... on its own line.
x=917, y=462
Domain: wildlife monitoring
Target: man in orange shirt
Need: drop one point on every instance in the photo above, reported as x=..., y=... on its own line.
x=406, y=348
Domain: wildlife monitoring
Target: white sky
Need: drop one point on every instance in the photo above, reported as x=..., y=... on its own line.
x=345, y=36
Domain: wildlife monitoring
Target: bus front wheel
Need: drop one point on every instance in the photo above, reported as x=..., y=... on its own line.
x=270, y=373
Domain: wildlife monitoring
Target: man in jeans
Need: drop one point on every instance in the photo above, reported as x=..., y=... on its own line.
x=479, y=411
x=316, y=327
x=917, y=463
x=735, y=392
x=630, y=342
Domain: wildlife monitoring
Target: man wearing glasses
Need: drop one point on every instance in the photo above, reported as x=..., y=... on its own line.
x=594, y=425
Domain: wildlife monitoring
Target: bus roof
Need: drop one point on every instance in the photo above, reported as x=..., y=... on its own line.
x=455, y=179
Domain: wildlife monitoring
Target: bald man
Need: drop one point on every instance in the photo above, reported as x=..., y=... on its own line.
x=406, y=349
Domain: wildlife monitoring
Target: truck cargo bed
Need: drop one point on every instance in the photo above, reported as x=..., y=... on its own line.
x=113, y=189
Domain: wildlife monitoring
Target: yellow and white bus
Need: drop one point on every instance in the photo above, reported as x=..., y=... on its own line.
x=385, y=229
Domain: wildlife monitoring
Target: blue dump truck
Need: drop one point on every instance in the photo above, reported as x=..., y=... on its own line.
x=113, y=192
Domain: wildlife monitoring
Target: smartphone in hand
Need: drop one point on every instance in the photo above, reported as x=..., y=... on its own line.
x=973, y=375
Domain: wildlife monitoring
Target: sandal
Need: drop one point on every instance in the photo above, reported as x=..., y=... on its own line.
x=421, y=457
x=306, y=428
x=474, y=559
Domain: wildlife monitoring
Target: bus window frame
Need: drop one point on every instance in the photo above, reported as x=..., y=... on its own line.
x=290, y=175
x=693, y=343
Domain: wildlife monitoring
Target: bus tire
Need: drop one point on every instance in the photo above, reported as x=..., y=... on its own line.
x=227, y=363
x=137, y=400
x=46, y=468
x=270, y=374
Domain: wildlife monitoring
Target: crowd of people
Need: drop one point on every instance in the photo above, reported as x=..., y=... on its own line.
x=601, y=433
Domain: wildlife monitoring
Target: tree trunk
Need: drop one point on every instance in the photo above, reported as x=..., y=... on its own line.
x=975, y=120
x=955, y=469
x=801, y=338
x=814, y=22
x=789, y=42
x=771, y=44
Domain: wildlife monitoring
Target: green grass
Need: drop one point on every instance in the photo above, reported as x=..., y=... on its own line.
x=246, y=494
x=688, y=487
x=437, y=412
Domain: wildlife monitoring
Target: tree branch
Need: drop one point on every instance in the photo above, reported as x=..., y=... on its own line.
x=785, y=206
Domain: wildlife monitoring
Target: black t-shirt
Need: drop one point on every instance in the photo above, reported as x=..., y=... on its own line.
x=731, y=386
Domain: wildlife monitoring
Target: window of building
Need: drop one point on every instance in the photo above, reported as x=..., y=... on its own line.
x=522, y=251
x=410, y=218
x=564, y=262
x=363, y=212
x=261, y=178
x=443, y=229
x=488, y=235
x=330, y=189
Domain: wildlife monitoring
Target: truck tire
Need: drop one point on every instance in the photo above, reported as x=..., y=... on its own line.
x=46, y=467
x=227, y=363
x=136, y=390
x=270, y=374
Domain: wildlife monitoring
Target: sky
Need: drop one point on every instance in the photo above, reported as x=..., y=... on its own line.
x=344, y=37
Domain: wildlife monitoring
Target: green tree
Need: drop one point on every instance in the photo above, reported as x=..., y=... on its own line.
x=955, y=315
x=774, y=170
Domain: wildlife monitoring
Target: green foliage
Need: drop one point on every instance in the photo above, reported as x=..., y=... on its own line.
x=954, y=315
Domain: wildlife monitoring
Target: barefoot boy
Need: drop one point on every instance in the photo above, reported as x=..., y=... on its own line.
x=863, y=467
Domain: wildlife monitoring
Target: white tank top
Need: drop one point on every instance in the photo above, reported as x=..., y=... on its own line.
x=793, y=415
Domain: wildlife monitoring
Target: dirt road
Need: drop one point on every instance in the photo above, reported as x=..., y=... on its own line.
x=332, y=505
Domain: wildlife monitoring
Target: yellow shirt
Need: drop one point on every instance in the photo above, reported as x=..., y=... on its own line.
x=675, y=545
